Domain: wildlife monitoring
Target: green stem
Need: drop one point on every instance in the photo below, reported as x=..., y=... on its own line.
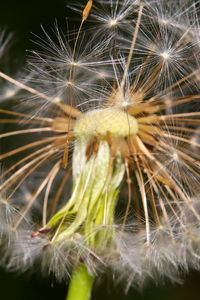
x=81, y=283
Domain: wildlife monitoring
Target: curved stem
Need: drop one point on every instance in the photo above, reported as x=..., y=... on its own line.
x=81, y=283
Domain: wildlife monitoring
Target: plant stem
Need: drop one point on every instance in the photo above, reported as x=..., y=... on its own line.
x=81, y=283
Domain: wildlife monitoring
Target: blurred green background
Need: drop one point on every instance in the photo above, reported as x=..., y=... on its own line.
x=21, y=18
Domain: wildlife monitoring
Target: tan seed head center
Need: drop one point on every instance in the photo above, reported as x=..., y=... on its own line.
x=100, y=122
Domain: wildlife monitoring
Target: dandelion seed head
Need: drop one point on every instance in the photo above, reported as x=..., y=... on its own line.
x=113, y=22
x=69, y=83
x=9, y=93
x=109, y=172
x=75, y=64
x=165, y=55
x=164, y=21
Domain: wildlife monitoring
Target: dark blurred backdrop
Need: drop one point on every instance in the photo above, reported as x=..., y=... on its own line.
x=23, y=18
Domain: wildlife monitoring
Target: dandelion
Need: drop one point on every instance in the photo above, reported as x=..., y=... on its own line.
x=106, y=174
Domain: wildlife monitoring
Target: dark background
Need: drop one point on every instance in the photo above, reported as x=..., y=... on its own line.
x=21, y=18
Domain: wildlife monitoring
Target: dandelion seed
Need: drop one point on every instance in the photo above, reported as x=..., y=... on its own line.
x=165, y=55
x=112, y=147
x=4, y=42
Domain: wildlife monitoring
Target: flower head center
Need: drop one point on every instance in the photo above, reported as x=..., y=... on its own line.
x=106, y=121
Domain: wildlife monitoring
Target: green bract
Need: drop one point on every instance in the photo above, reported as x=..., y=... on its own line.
x=90, y=210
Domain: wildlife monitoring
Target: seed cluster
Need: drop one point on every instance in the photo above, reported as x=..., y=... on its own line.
x=108, y=170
